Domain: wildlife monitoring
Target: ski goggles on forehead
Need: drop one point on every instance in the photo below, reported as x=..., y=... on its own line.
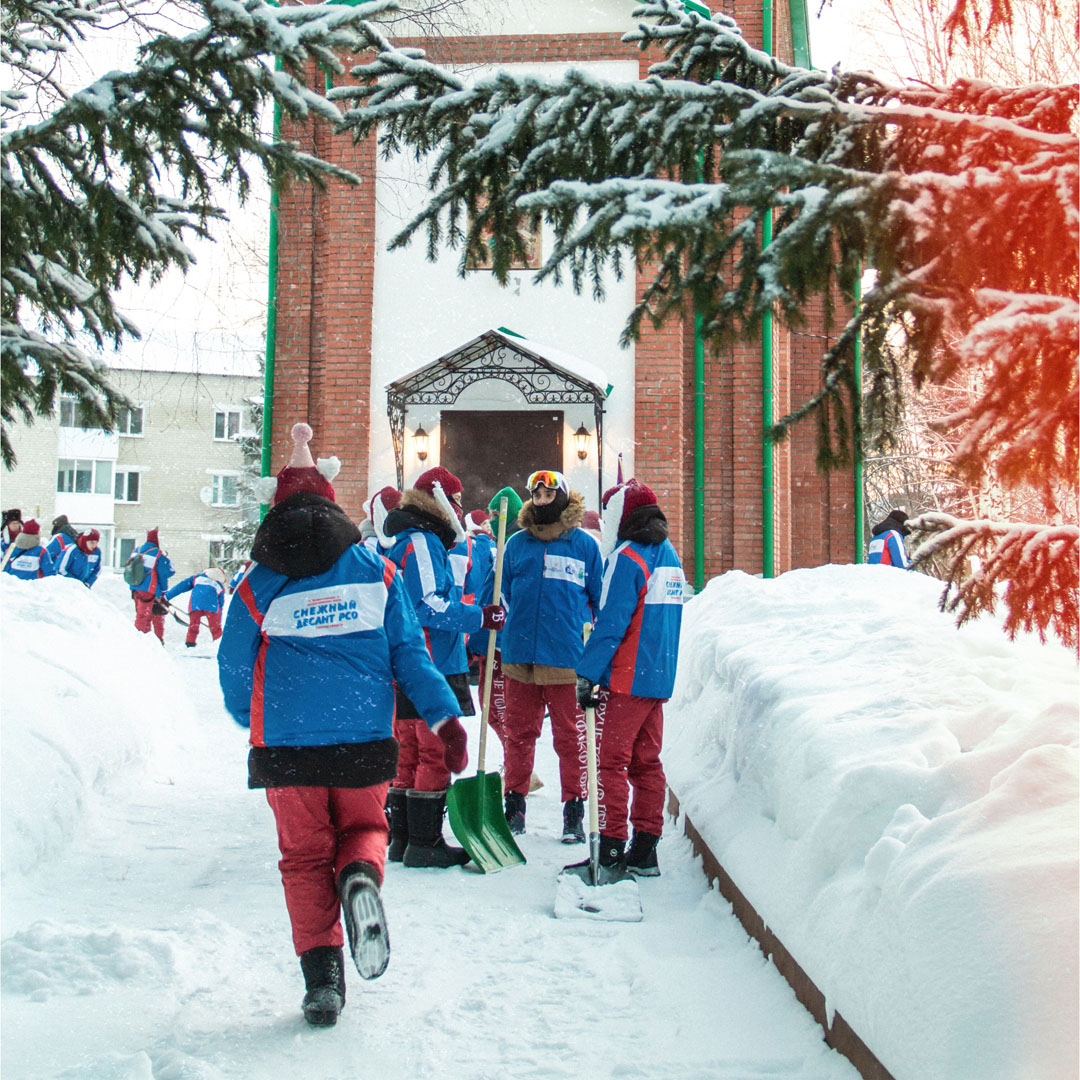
x=546, y=478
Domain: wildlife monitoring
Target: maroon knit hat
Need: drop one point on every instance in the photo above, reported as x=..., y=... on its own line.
x=85, y=538
x=31, y=527
x=302, y=474
x=426, y=481
x=152, y=536
x=477, y=521
x=634, y=494
x=377, y=507
x=591, y=520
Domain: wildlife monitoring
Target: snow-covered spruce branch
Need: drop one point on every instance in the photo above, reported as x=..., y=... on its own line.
x=1033, y=569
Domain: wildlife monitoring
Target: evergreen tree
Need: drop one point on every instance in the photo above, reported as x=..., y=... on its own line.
x=964, y=200
x=105, y=183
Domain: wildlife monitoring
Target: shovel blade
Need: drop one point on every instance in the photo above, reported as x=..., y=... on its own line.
x=575, y=898
x=475, y=809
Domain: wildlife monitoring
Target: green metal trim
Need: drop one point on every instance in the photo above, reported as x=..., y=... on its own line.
x=271, y=320
x=860, y=493
x=800, y=33
x=768, y=568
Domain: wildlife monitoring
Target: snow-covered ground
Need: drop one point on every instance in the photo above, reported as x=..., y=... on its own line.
x=145, y=935
x=898, y=800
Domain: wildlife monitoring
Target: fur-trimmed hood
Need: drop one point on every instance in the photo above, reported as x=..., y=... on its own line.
x=569, y=519
x=419, y=510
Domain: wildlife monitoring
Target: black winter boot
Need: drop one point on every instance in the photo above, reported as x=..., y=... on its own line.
x=573, y=815
x=426, y=847
x=397, y=802
x=515, y=812
x=324, y=978
x=612, y=860
x=365, y=920
x=641, y=855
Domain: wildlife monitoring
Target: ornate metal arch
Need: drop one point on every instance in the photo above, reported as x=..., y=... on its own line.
x=492, y=355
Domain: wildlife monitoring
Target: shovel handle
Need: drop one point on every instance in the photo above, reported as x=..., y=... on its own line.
x=594, y=794
x=485, y=697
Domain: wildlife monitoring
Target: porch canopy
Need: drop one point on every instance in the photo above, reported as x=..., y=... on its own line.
x=544, y=376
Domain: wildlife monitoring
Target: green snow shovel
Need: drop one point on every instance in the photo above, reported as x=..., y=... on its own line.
x=475, y=806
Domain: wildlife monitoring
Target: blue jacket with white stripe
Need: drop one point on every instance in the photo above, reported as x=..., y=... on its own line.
x=310, y=660
x=29, y=562
x=76, y=563
x=422, y=540
x=551, y=588
x=634, y=647
x=206, y=593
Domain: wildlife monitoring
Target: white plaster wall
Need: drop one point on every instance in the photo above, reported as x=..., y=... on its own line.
x=423, y=310
x=529, y=17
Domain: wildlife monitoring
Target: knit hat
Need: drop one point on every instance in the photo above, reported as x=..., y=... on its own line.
x=152, y=536
x=440, y=484
x=86, y=538
x=377, y=507
x=31, y=528
x=619, y=503
x=477, y=521
x=513, y=505
x=301, y=474
x=590, y=522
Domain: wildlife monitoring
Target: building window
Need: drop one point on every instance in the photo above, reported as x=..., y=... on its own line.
x=530, y=237
x=126, y=489
x=226, y=424
x=73, y=413
x=82, y=477
x=130, y=421
x=124, y=549
x=224, y=490
x=221, y=552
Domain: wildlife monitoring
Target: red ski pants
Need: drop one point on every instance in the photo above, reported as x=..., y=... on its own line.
x=420, y=763
x=144, y=616
x=320, y=831
x=213, y=620
x=497, y=712
x=525, y=704
x=629, y=734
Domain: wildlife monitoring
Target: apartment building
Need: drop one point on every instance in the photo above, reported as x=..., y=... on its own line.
x=175, y=461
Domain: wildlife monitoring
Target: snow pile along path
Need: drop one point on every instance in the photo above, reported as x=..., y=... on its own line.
x=898, y=800
x=156, y=944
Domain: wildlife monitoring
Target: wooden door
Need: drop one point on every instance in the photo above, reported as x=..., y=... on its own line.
x=489, y=450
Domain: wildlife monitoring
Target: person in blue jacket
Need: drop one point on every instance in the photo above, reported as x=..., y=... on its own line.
x=12, y=526
x=887, y=543
x=315, y=637
x=82, y=560
x=551, y=579
x=29, y=560
x=64, y=536
x=207, y=599
x=632, y=656
x=149, y=594
x=424, y=527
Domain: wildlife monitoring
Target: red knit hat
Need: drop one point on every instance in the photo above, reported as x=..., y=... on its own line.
x=591, y=520
x=301, y=474
x=86, y=538
x=426, y=481
x=619, y=503
x=377, y=507
x=151, y=535
x=478, y=521
x=31, y=527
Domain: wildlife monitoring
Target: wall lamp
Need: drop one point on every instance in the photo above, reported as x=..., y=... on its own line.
x=581, y=441
x=421, y=440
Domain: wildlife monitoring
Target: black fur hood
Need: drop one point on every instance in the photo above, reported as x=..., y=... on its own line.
x=304, y=535
x=646, y=525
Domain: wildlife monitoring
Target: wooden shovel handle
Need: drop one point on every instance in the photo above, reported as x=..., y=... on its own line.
x=485, y=697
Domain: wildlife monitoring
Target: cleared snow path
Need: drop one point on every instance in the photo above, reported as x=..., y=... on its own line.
x=157, y=948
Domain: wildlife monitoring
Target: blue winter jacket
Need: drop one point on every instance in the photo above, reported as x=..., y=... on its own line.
x=634, y=647
x=550, y=587
x=311, y=661
x=206, y=593
x=158, y=571
x=887, y=548
x=30, y=563
x=76, y=563
x=420, y=553
x=56, y=547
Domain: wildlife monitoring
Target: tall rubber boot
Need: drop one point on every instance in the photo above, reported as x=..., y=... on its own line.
x=324, y=979
x=427, y=848
x=365, y=920
x=396, y=801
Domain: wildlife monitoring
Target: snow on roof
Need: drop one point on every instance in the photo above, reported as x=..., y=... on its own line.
x=898, y=800
x=195, y=353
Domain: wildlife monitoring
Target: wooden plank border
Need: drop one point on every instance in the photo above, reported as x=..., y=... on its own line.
x=840, y=1035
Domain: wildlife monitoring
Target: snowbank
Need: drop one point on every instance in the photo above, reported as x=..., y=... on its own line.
x=84, y=700
x=898, y=799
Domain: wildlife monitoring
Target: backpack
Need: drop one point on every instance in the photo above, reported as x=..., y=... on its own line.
x=134, y=569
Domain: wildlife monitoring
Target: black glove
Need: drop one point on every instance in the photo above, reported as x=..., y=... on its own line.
x=160, y=606
x=586, y=696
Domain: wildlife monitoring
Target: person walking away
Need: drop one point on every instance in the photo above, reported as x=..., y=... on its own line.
x=149, y=594
x=424, y=527
x=887, y=543
x=64, y=536
x=631, y=656
x=552, y=573
x=314, y=640
x=29, y=561
x=82, y=560
x=207, y=599
x=376, y=508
